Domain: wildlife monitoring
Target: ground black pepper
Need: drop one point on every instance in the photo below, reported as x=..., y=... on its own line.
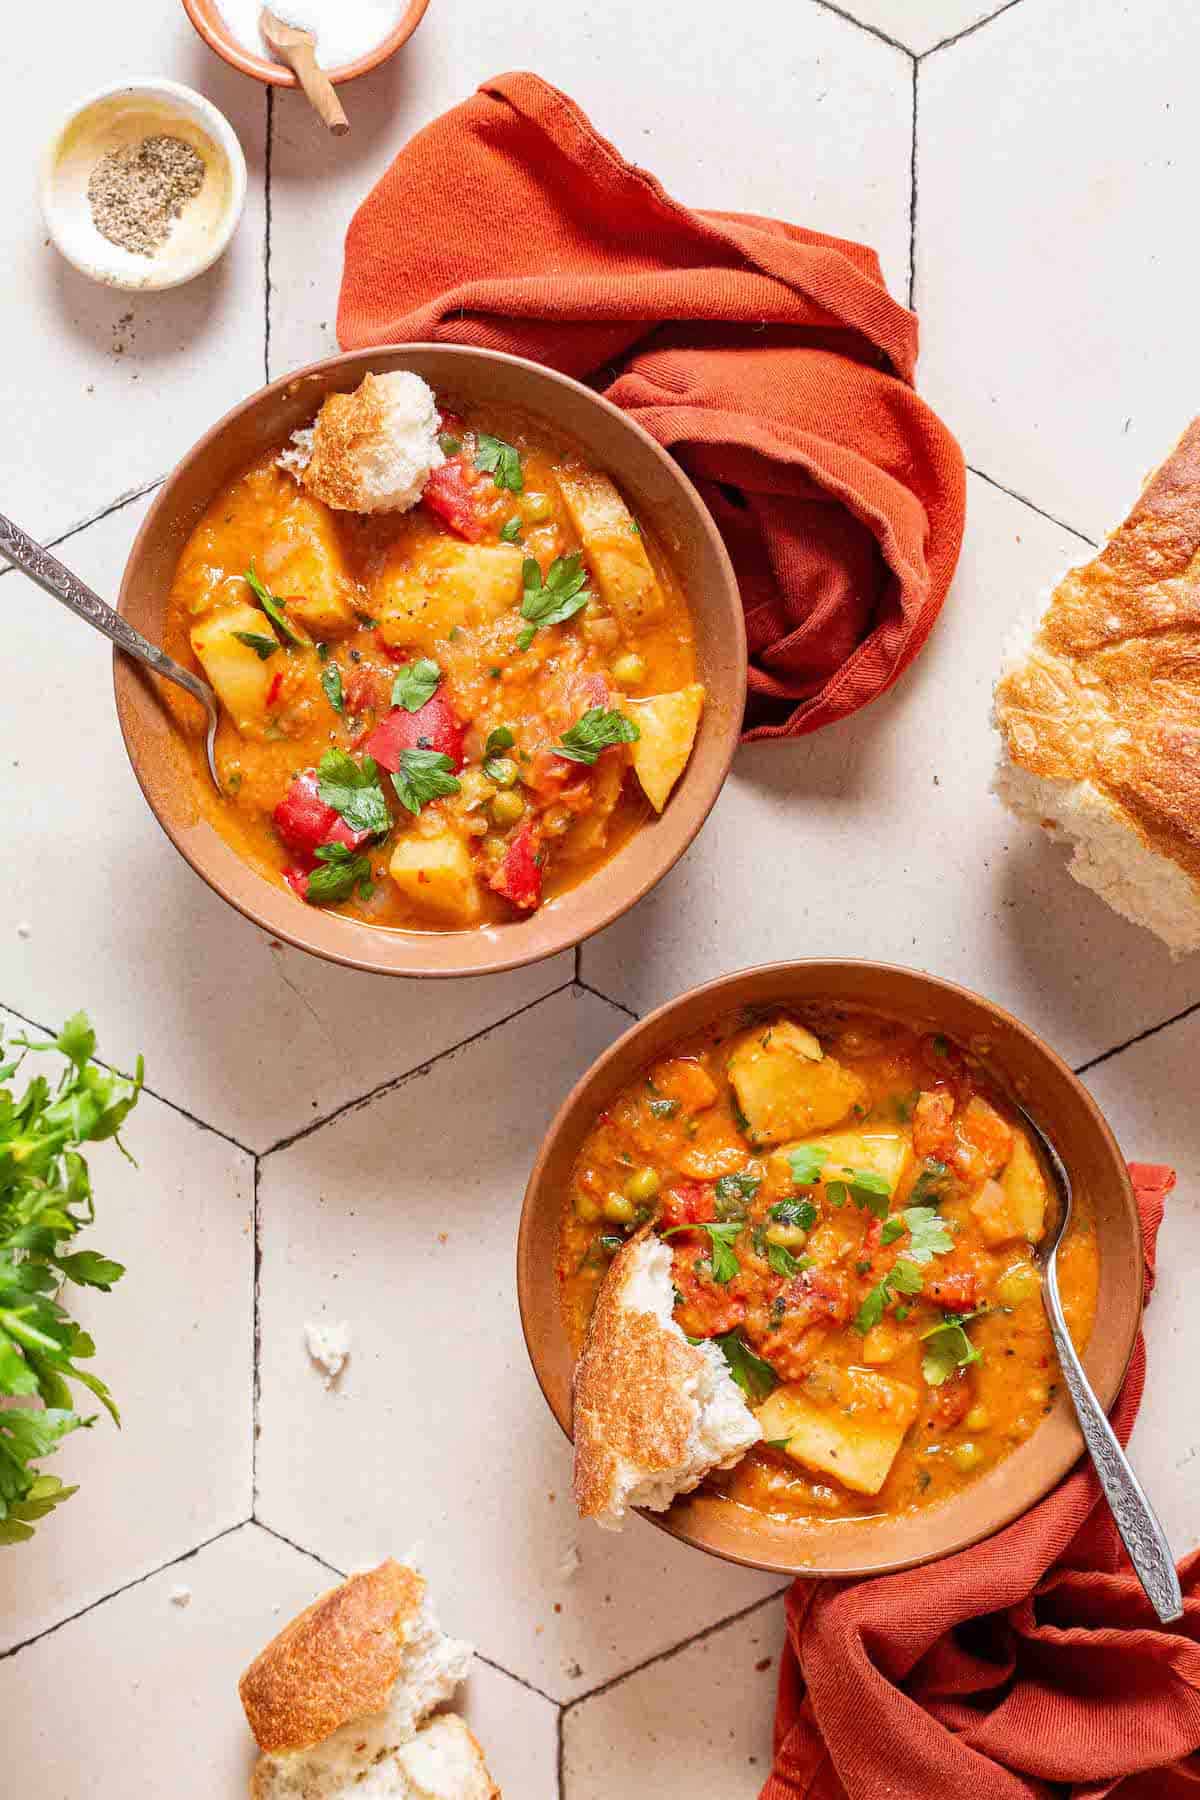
x=136, y=193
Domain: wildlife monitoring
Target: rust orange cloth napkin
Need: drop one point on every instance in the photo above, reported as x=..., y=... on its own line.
x=771, y=360
x=1029, y=1666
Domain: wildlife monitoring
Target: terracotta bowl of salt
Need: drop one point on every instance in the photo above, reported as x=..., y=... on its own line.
x=231, y=29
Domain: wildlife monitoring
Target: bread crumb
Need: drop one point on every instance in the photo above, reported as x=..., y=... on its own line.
x=180, y=1596
x=570, y=1564
x=328, y=1346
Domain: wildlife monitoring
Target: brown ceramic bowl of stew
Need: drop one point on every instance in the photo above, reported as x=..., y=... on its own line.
x=327, y=682
x=906, y=1414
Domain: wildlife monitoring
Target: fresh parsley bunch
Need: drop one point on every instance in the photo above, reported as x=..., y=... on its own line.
x=45, y=1199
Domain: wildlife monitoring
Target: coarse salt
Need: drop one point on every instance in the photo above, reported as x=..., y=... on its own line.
x=344, y=29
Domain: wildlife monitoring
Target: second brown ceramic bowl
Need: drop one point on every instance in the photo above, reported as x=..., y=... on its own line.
x=1030, y=1071
x=209, y=21
x=660, y=493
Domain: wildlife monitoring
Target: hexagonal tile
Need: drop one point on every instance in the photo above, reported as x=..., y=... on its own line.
x=97, y=365
x=824, y=95
x=174, y=1343
x=1148, y=1094
x=1054, y=283
x=256, y=1038
x=160, y=1695
x=704, y=1714
x=400, y=1218
x=879, y=838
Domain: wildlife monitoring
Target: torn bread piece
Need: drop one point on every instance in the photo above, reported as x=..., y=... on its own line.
x=372, y=450
x=654, y=1414
x=339, y=1701
x=1098, y=710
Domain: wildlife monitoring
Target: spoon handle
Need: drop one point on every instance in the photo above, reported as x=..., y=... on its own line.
x=74, y=594
x=1143, y=1536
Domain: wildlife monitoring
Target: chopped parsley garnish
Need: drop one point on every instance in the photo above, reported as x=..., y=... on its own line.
x=553, y=600
x=594, y=732
x=331, y=684
x=930, y=1236
x=342, y=869
x=733, y=1191
x=932, y=1183
x=353, y=790
x=423, y=775
x=664, y=1109
x=273, y=607
x=867, y=1190
x=448, y=443
x=781, y=1260
x=510, y=531
x=947, y=1348
x=806, y=1162
x=261, y=646
x=634, y=528
x=795, y=1212
x=499, y=460
x=903, y=1277
x=416, y=683
x=756, y=1378
x=497, y=767
x=725, y=1264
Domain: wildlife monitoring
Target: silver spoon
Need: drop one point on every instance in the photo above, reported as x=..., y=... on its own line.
x=50, y=574
x=1140, y=1530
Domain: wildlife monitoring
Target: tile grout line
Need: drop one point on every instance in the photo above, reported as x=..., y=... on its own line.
x=255, y=1341
x=270, y=133
x=50, y=1033
x=282, y=1538
x=1033, y=506
x=871, y=30
x=521, y=1680
x=560, y=1760
x=172, y=1562
x=394, y=1082
x=912, y=198
x=697, y=1637
x=1138, y=1038
x=967, y=31
x=585, y=987
x=105, y=512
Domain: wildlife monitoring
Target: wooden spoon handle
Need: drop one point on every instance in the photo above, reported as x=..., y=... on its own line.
x=319, y=88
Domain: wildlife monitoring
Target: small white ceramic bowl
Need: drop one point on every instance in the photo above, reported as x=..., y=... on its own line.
x=124, y=114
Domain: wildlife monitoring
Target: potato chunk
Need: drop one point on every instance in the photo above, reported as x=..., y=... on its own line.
x=420, y=603
x=886, y=1153
x=238, y=674
x=304, y=565
x=436, y=875
x=783, y=1089
x=848, y=1423
x=613, y=547
x=667, y=726
x=1015, y=1205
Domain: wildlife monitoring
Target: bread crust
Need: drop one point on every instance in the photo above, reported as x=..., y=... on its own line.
x=1110, y=691
x=344, y=424
x=338, y=1660
x=632, y=1399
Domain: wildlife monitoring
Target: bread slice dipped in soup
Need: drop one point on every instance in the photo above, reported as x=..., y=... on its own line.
x=455, y=671
x=852, y=1209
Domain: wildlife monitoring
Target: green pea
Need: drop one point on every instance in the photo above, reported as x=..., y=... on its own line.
x=506, y=808
x=502, y=771
x=587, y=1209
x=791, y=1237
x=643, y=1186
x=629, y=670
x=618, y=1210
x=967, y=1456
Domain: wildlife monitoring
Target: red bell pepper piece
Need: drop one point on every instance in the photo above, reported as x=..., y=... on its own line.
x=303, y=820
x=519, y=877
x=433, y=726
x=396, y=653
x=297, y=879
x=688, y=1203
x=273, y=690
x=452, y=492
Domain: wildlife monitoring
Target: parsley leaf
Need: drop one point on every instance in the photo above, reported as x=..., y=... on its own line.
x=449, y=444
x=261, y=646
x=594, y=732
x=499, y=768
x=725, y=1264
x=45, y=1199
x=556, y=598
x=932, y=1184
x=948, y=1348
x=501, y=738
x=781, y=1260
x=806, y=1162
x=864, y=1187
x=733, y=1191
x=755, y=1377
x=664, y=1109
x=929, y=1233
x=510, y=532
x=273, y=607
x=423, y=775
x=499, y=460
x=795, y=1212
x=353, y=791
x=331, y=684
x=903, y=1277
x=341, y=871
x=415, y=684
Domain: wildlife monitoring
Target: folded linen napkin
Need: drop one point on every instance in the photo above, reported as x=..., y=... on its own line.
x=771, y=360
x=1027, y=1667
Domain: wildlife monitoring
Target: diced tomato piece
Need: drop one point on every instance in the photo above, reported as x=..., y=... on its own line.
x=451, y=425
x=577, y=798
x=273, y=690
x=688, y=1203
x=950, y=1403
x=519, y=877
x=433, y=726
x=366, y=690
x=707, y=1309
x=397, y=653
x=813, y=1302
x=957, y=1291
x=589, y=691
x=303, y=820
x=547, y=773
x=932, y=1128
x=453, y=493
x=297, y=879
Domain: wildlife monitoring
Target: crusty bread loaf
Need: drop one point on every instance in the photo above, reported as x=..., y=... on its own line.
x=340, y=1699
x=1099, y=712
x=653, y=1413
x=372, y=450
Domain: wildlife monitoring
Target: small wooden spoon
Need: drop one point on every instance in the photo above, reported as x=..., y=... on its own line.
x=298, y=49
